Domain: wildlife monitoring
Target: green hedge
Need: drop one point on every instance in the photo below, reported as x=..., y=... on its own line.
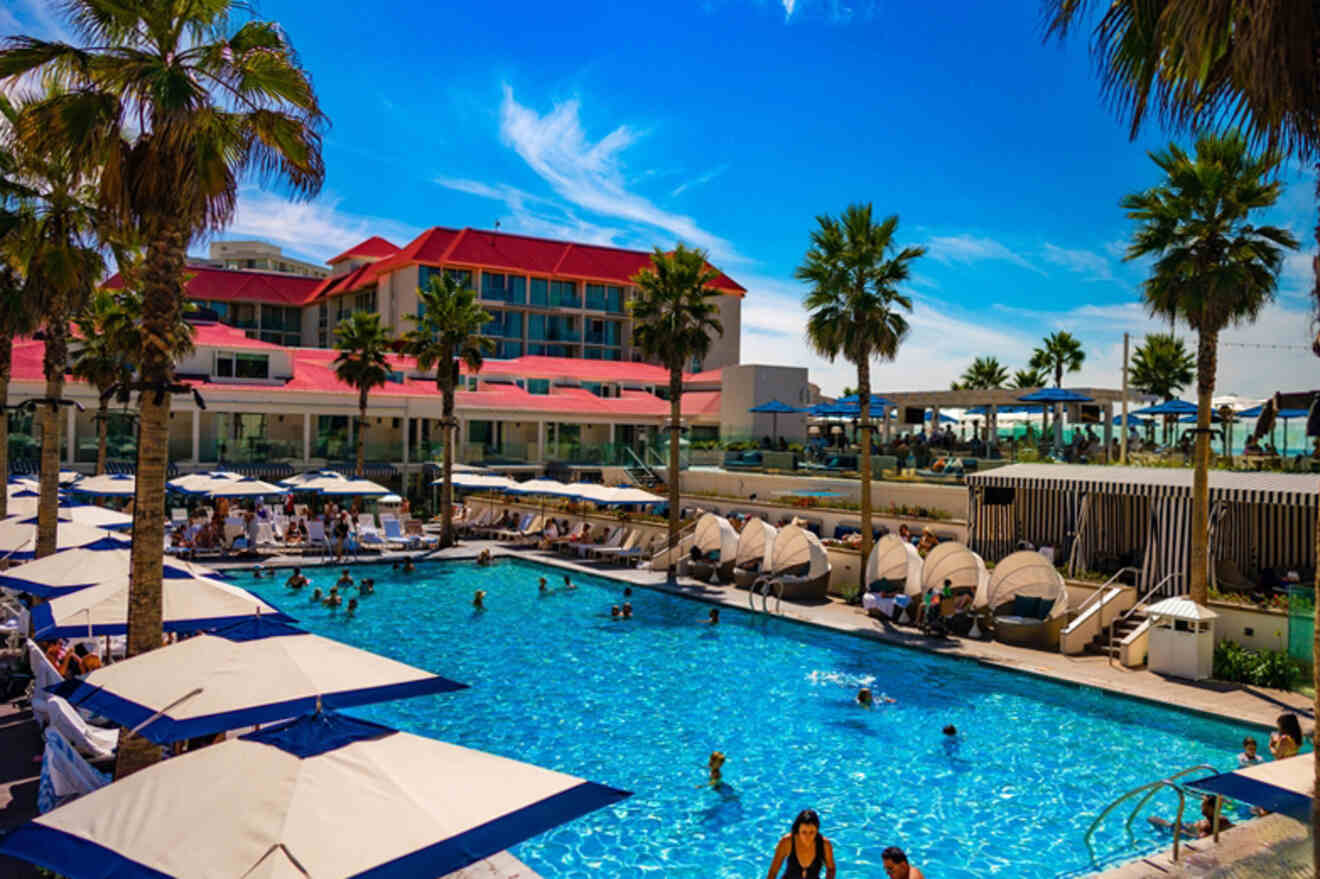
x=1263, y=668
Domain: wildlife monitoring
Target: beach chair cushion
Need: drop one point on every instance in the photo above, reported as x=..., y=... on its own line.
x=1026, y=607
x=65, y=774
x=92, y=741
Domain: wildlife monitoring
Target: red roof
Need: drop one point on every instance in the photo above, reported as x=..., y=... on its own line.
x=374, y=247
x=576, y=368
x=232, y=285
x=711, y=375
x=701, y=403
x=502, y=251
x=213, y=335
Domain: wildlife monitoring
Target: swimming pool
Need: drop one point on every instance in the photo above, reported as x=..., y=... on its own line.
x=640, y=704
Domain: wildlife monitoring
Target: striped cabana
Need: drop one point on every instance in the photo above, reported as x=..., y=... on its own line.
x=1258, y=520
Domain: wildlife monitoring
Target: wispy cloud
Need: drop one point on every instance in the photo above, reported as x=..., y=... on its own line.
x=952, y=249
x=698, y=181
x=312, y=230
x=589, y=175
x=1091, y=265
x=532, y=215
x=35, y=18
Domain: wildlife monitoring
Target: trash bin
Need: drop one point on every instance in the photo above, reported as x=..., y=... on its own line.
x=1182, y=639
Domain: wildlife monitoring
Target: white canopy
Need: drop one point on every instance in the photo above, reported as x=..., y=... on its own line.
x=254, y=672
x=956, y=563
x=341, y=487
x=325, y=796
x=895, y=560
x=245, y=488
x=107, y=485
x=97, y=517
x=18, y=537
x=716, y=534
x=756, y=543
x=202, y=483
x=795, y=545
x=479, y=481
x=189, y=605
x=549, y=487
x=1031, y=575
x=81, y=567
x=588, y=491
x=300, y=479
x=631, y=495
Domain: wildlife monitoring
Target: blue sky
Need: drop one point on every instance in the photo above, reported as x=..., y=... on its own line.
x=731, y=124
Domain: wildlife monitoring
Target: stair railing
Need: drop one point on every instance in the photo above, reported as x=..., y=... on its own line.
x=1140, y=603
x=1151, y=789
x=1098, y=595
x=640, y=464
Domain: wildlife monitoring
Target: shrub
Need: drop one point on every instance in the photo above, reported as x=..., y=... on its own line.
x=1261, y=668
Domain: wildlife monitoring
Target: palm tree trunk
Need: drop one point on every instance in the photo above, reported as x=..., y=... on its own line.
x=102, y=434
x=864, y=420
x=1199, y=574
x=162, y=299
x=447, y=485
x=6, y=365
x=57, y=332
x=675, y=415
x=362, y=435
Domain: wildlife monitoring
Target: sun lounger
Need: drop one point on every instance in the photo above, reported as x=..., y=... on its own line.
x=477, y=520
x=43, y=675
x=65, y=774
x=366, y=520
x=629, y=541
x=573, y=536
x=636, y=554
x=613, y=540
x=517, y=531
x=91, y=741
x=316, y=536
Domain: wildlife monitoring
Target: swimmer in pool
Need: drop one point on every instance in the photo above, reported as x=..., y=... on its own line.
x=568, y=584
x=317, y=596
x=352, y=605
x=714, y=618
x=716, y=767
x=296, y=579
x=345, y=579
x=541, y=587
x=614, y=612
x=408, y=566
x=479, y=599
x=627, y=610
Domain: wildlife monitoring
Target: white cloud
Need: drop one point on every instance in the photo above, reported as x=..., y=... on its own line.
x=963, y=249
x=590, y=175
x=698, y=181
x=313, y=230
x=1091, y=265
x=532, y=215
x=789, y=5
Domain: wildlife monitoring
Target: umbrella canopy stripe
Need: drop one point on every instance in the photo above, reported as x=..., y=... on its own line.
x=775, y=407
x=257, y=671
x=1169, y=407
x=260, y=806
x=1055, y=395
x=72, y=569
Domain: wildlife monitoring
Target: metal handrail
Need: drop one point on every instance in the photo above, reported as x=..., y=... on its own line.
x=1151, y=788
x=641, y=463
x=1098, y=594
x=1131, y=610
x=762, y=588
x=679, y=536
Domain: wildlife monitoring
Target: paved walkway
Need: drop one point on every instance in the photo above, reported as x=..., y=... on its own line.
x=20, y=746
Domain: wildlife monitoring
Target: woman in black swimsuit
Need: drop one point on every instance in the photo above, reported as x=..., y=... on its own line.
x=804, y=851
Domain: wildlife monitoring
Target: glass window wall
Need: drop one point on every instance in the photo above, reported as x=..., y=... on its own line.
x=565, y=294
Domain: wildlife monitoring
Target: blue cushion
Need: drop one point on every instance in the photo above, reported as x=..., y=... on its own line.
x=1046, y=605
x=1026, y=606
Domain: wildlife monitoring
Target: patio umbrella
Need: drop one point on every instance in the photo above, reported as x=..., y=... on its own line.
x=200, y=483
x=479, y=482
x=236, y=488
x=627, y=495
x=325, y=796
x=1054, y=396
x=1168, y=407
x=775, y=409
x=1282, y=414
x=107, y=485
x=330, y=486
x=254, y=672
x=193, y=604
x=877, y=401
x=297, y=481
x=107, y=560
x=97, y=517
x=18, y=538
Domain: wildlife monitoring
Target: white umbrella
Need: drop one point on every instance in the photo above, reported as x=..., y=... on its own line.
x=234, y=488
x=325, y=796
x=590, y=491
x=107, y=485
x=479, y=482
x=189, y=605
x=299, y=480
x=18, y=537
x=346, y=488
x=201, y=483
x=254, y=672
x=78, y=568
x=547, y=487
x=97, y=517
x=632, y=496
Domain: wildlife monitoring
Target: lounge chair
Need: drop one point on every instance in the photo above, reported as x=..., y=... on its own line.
x=1227, y=577
x=801, y=566
x=366, y=520
x=43, y=675
x=394, y=534
x=574, y=535
x=613, y=540
x=636, y=554
x=316, y=536
x=1028, y=600
x=91, y=741
x=65, y=774
x=606, y=552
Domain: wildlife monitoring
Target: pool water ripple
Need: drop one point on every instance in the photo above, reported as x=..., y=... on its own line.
x=640, y=704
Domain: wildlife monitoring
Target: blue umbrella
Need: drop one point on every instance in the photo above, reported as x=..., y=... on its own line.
x=775, y=408
x=1055, y=395
x=1169, y=407
x=944, y=419
x=877, y=401
x=1282, y=414
x=1118, y=420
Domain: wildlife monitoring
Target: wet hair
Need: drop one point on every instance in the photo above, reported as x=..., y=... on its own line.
x=894, y=855
x=951, y=730
x=1248, y=742
x=627, y=590
x=80, y=649
x=297, y=571
x=806, y=816
x=1290, y=727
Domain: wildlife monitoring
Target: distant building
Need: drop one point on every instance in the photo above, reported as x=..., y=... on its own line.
x=249, y=256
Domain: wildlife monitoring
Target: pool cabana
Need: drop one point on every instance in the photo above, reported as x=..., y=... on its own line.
x=1097, y=517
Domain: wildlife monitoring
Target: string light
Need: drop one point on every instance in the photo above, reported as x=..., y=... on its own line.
x=1271, y=347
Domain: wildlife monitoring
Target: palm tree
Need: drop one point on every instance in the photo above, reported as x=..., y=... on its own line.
x=984, y=373
x=854, y=268
x=178, y=102
x=674, y=316
x=102, y=361
x=1031, y=377
x=55, y=243
x=362, y=342
x=1162, y=367
x=1213, y=269
x=1059, y=352
x=17, y=318
x=448, y=330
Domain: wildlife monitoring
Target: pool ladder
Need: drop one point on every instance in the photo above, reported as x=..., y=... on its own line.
x=1150, y=790
x=763, y=587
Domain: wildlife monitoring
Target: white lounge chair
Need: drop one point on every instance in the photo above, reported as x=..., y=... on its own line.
x=43, y=675
x=178, y=515
x=605, y=552
x=65, y=774
x=316, y=536
x=613, y=541
x=366, y=520
x=92, y=741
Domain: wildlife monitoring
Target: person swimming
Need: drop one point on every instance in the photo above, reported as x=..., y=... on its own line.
x=614, y=612
x=627, y=591
x=317, y=596
x=296, y=579
x=352, y=605
x=367, y=586
x=541, y=586
x=345, y=579
x=568, y=583
x=950, y=730
x=715, y=766
x=714, y=618
x=627, y=610
x=479, y=599
x=484, y=558
x=333, y=599
x=864, y=698
x=408, y=566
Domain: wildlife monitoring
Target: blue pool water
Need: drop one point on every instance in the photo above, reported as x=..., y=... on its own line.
x=640, y=704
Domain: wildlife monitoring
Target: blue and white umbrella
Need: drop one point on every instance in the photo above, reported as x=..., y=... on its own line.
x=254, y=672
x=18, y=539
x=102, y=561
x=97, y=517
x=325, y=796
x=107, y=485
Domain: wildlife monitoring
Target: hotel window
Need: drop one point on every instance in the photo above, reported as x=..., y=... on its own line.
x=462, y=276
x=245, y=315
x=614, y=299
x=365, y=301
x=564, y=294
x=540, y=292
x=601, y=332
x=596, y=297
x=508, y=350
x=538, y=386
x=506, y=324
x=229, y=365
x=613, y=354
x=492, y=287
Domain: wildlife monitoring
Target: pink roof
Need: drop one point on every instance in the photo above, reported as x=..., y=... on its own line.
x=701, y=403
x=232, y=285
x=214, y=335
x=374, y=247
x=535, y=366
x=710, y=375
